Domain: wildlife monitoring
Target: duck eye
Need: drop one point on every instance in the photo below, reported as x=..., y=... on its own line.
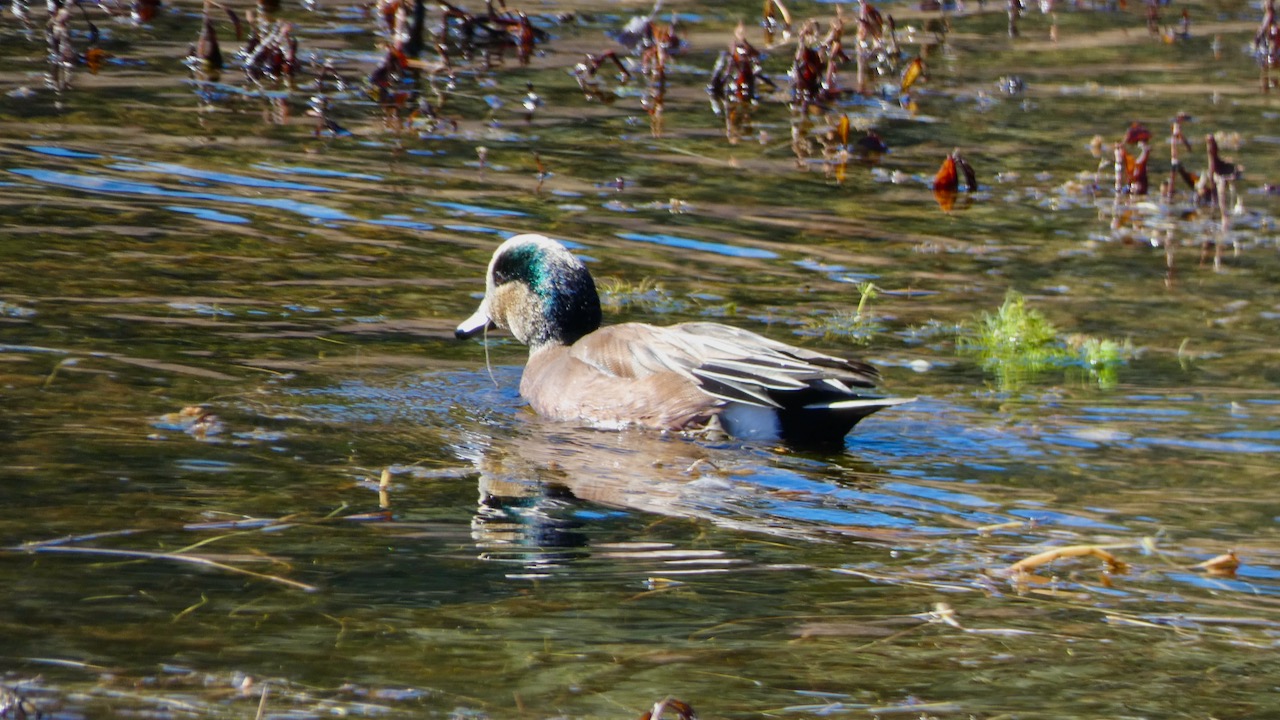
x=499, y=277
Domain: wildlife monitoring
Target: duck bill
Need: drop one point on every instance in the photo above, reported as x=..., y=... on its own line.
x=475, y=324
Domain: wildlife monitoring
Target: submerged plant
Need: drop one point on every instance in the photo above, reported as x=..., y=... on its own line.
x=1018, y=342
x=858, y=325
x=1101, y=357
x=617, y=294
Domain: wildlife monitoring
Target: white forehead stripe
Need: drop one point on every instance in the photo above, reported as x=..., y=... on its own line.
x=552, y=251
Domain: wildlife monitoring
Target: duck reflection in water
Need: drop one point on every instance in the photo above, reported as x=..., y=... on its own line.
x=540, y=487
x=545, y=485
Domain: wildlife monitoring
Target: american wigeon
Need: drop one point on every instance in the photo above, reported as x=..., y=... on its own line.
x=681, y=377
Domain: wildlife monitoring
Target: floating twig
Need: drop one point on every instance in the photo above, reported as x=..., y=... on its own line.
x=145, y=555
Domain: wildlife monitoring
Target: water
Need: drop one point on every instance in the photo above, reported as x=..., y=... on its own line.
x=222, y=328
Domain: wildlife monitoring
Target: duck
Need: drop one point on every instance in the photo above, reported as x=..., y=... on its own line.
x=692, y=377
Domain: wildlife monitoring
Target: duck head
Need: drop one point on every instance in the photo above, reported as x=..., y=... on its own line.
x=539, y=291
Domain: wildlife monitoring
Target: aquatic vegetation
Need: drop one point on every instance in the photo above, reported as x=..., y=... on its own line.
x=738, y=72
x=270, y=52
x=866, y=291
x=932, y=332
x=618, y=294
x=1101, y=356
x=1266, y=46
x=773, y=26
x=491, y=33
x=814, y=71
x=1177, y=143
x=1130, y=169
x=60, y=39
x=841, y=324
x=914, y=71
x=946, y=182
x=1017, y=343
x=1220, y=178
x=948, y=179
x=858, y=324
x=1014, y=342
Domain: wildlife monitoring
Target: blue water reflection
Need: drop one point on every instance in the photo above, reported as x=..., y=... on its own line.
x=62, y=152
x=182, y=171
x=675, y=241
x=114, y=186
x=401, y=221
x=1240, y=583
x=208, y=214
x=1044, y=516
x=476, y=210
